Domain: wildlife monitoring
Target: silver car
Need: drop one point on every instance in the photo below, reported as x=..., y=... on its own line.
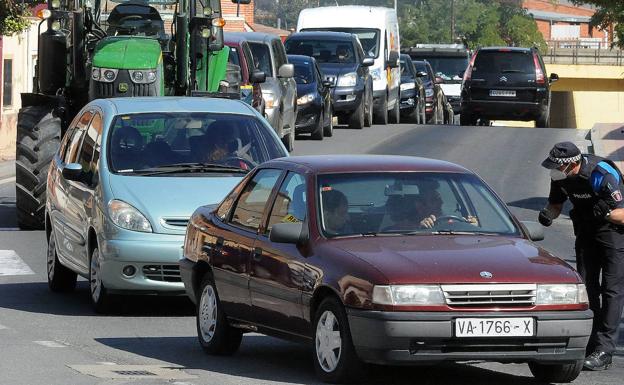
x=127, y=177
x=279, y=90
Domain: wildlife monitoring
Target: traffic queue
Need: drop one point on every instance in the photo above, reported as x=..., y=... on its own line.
x=367, y=259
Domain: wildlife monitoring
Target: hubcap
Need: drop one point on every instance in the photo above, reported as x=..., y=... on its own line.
x=328, y=341
x=95, y=279
x=208, y=313
x=51, y=257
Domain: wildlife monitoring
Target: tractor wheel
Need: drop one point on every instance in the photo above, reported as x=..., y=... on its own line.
x=38, y=139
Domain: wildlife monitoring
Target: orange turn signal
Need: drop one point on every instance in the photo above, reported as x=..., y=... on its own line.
x=44, y=14
x=218, y=22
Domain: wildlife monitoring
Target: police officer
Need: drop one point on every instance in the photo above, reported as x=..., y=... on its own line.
x=594, y=186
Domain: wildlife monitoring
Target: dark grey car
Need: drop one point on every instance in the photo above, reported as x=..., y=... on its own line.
x=279, y=91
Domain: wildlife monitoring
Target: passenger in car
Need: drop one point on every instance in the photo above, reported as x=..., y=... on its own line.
x=429, y=205
x=336, y=212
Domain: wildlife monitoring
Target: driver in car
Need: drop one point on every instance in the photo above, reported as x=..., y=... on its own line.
x=429, y=205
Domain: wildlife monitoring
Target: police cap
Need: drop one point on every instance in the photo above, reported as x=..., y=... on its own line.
x=562, y=153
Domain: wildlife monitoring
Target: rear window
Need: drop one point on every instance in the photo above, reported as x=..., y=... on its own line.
x=500, y=62
x=324, y=51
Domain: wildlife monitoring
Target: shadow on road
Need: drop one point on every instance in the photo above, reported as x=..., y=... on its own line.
x=268, y=359
x=35, y=297
x=8, y=214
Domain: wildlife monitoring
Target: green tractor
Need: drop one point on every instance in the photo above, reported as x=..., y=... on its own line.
x=109, y=48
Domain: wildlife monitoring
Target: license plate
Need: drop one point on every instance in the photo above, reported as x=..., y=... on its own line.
x=505, y=93
x=494, y=327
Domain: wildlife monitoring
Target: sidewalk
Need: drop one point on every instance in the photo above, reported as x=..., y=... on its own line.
x=7, y=169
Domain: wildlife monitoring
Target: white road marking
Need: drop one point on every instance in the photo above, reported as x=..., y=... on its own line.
x=7, y=180
x=12, y=264
x=3, y=327
x=50, y=344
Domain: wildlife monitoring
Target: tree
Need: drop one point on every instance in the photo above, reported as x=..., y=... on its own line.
x=609, y=13
x=13, y=15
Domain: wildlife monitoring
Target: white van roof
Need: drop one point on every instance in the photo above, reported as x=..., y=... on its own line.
x=347, y=16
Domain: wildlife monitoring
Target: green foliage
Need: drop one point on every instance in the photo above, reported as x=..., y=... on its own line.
x=13, y=17
x=609, y=13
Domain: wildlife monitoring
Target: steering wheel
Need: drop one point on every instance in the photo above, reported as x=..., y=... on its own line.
x=453, y=217
x=236, y=162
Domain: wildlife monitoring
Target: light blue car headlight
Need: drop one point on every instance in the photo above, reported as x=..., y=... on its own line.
x=128, y=217
x=347, y=80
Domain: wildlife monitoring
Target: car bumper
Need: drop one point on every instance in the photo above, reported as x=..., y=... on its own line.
x=307, y=118
x=409, y=101
x=407, y=338
x=347, y=99
x=501, y=109
x=187, y=273
x=154, y=258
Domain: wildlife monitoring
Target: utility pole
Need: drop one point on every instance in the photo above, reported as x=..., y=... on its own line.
x=452, y=20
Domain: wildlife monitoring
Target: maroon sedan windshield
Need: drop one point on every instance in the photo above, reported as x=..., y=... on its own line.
x=419, y=203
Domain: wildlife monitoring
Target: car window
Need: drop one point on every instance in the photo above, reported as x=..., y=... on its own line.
x=324, y=51
x=248, y=58
x=290, y=203
x=303, y=72
x=254, y=198
x=71, y=153
x=152, y=140
x=262, y=58
x=90, y=151
x=233, y=58
x=499, y=62
x=422, y=67
x=406, y=68
x=447, y=67
x=372, y=203
x=280, y=54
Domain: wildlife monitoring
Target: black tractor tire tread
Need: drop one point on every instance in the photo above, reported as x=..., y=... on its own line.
x=38, y=139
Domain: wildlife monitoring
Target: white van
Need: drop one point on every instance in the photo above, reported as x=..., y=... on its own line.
x=378, y=31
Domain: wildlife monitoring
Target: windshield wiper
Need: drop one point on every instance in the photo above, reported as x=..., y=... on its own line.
x=453, y=232
x=186, y=167
x=512, y=71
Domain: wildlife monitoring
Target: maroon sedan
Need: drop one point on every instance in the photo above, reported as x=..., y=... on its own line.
x=240, y=55
x=376, y=259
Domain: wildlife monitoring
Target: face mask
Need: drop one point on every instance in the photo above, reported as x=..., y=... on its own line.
x=556, y=174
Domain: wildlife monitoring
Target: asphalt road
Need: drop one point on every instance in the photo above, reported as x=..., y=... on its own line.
x=51, y=339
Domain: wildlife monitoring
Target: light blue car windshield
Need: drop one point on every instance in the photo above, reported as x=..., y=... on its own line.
x=151, y=140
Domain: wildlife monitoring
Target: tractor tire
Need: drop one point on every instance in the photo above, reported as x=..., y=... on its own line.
x=38, y=139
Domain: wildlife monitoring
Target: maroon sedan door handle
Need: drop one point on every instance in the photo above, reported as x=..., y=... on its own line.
x=257, y=254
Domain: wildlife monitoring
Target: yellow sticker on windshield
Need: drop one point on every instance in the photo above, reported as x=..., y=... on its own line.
x=290, y=219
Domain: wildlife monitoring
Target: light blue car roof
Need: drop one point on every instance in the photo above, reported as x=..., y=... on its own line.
x=177, y=104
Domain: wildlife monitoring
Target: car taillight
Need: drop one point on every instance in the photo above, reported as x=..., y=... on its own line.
x=539, y=74
x=468, y=72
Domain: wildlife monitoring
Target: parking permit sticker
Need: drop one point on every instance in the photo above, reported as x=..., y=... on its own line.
x=290, y=219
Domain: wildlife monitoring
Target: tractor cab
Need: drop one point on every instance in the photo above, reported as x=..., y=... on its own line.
x=136, y=18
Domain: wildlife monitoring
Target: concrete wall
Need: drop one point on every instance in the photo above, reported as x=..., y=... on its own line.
x=22, y=50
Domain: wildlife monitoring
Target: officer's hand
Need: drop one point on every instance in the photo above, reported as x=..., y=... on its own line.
x=544, y=218
x=601, y=209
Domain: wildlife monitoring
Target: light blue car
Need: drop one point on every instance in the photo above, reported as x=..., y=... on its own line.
x=129, y=174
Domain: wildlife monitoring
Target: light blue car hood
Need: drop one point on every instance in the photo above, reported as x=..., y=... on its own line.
x=174, y=198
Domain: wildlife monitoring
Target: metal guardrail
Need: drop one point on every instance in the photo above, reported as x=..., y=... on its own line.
x=582, y=52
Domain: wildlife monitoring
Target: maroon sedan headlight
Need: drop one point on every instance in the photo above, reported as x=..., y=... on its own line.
x=561, y=294
x=408, y=295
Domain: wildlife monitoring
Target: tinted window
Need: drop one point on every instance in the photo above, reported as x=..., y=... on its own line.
x=234, y=59
x=290, y=203
x=254, y=198
x=303, y=72
x=262, y=58
x=324, y=51
x=497, y=62
x=401, y=202
x=422, y=67
x=146, y=141
x=406, y=68
x=448, y=68
x=369, y=38
x=280, y=54
x=88, y=145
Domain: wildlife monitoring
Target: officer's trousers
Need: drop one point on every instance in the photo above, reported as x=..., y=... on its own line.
x=600, y=262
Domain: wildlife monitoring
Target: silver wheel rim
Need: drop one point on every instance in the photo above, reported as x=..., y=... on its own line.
x=51, y=257
x=208, y=313
x=95, y=279
x=328, y=341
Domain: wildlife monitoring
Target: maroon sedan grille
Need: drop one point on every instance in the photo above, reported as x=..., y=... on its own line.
x=490, y=295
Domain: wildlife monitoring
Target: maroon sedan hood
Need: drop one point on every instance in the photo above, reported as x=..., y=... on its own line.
x=458, y=259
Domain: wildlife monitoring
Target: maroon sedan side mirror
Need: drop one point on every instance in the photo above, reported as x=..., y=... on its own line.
x=288, y=233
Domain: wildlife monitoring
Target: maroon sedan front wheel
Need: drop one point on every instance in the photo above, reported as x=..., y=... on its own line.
x=335, y=359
